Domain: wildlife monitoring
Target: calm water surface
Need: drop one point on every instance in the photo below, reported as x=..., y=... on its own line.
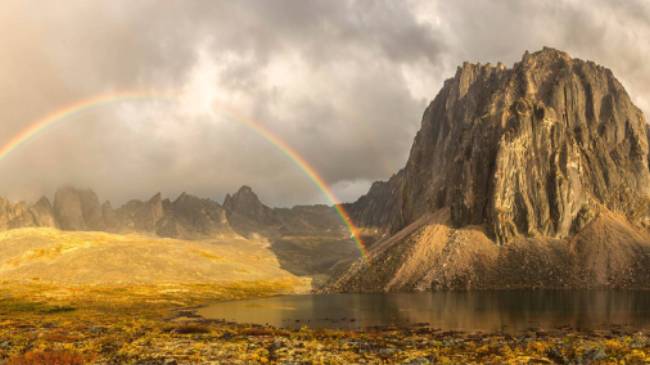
x=509, y=311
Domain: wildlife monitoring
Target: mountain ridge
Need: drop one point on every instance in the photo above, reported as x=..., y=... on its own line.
x=186, y=217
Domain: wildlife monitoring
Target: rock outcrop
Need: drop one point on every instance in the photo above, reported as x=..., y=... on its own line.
x=246, y=204
x=43, y=213
x=191, y=217
x=22, y=215
x=524, y=162
x=138, y=216
x=249, y=216
x=378, y=212
x=78, y=210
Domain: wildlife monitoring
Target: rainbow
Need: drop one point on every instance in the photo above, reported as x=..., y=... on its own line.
x=78, y=107
x=38, y=126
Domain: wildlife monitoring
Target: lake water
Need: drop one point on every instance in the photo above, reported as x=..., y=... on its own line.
x=508, y=311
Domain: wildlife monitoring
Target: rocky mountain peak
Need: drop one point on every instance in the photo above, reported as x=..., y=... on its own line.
x=546, y=161
x=78, y=209
x=244, y=196
x=531, y=150
x=247, y=204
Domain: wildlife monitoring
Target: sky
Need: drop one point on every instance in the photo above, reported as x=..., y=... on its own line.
x=344, y=83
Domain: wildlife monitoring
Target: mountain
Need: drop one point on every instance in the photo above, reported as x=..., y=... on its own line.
x=249, y=216
x=23, y=215
x=187, y=217
x=530, y=176
x=78, y=210
x=191, y=217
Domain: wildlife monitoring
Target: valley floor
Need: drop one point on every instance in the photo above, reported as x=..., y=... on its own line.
x=149, y=326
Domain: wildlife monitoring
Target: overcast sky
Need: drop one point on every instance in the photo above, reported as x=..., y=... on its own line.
x=343, y=82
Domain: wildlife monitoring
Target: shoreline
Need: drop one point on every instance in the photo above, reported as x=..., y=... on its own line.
x=117, y=328
x=131, y=340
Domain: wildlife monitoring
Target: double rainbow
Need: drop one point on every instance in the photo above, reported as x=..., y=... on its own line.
x=39, y=126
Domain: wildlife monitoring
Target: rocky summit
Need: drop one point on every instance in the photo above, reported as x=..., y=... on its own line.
x=530, y=176
x=249, y=216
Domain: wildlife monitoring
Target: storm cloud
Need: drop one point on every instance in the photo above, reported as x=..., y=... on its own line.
x=342, y=82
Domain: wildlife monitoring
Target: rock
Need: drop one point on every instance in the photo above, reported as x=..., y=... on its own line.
x=15, y=215
x=113, y=223
x=43, y=213
x=78, y=210
x=377, y=212
x=249, y=217
x=141, y=216
x=245, y=203
x=191, y=217
x=315, y=220
x=22, y=214
x=527, y=150
x=544, y=163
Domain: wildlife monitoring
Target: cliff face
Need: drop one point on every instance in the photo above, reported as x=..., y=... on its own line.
x=78, y=210
x=533, y=153
x=246, y=203
x=379, y=211
x=192, y=217
x=23, y=215
x=534, y=150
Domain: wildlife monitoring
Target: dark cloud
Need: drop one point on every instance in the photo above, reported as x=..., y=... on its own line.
x=342, y=82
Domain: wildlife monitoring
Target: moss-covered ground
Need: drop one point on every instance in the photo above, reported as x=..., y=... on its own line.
x=147, y=325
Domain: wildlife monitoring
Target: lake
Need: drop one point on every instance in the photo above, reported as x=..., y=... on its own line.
x=509, y=311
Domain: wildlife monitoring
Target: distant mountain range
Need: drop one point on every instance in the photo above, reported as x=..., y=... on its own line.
x=186, y=217
x=530, y=176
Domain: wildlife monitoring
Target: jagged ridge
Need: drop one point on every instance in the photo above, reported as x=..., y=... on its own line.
x=187, y=217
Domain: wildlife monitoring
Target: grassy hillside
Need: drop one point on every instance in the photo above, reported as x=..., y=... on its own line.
x=44, y=257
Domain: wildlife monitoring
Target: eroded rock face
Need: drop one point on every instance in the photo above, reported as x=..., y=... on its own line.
x=379, y=211
x=43, y=213
x=139, y=216
x=78, y=210
x=244, y=204
x=534, y=150
x=249, y=216
x=531, y=176
x=191, y=217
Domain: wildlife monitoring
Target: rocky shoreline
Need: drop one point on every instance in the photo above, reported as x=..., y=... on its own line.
x=185, y=338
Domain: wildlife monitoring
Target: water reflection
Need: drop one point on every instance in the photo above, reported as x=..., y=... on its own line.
x=470, y=311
